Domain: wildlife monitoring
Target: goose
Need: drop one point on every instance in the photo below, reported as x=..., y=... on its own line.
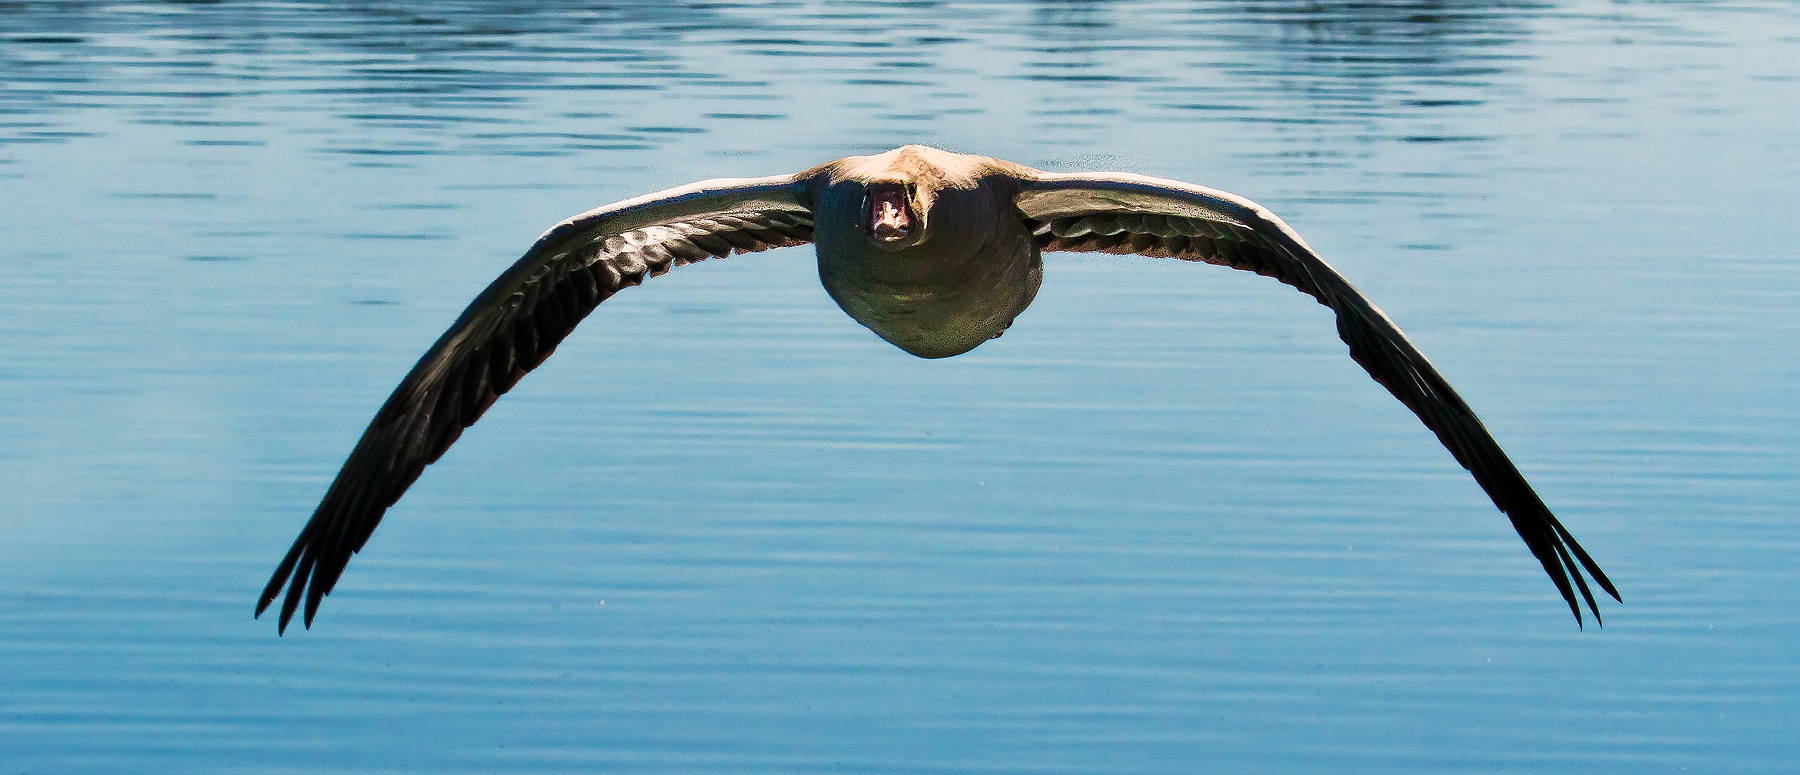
x=936, y=252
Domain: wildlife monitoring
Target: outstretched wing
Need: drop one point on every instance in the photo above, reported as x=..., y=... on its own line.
x=511, y=328
x=1122, y=213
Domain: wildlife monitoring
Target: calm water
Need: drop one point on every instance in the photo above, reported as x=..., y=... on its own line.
x=1164, y=525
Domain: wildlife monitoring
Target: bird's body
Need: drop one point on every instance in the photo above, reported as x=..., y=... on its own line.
x=935, y=252
x=946, y=284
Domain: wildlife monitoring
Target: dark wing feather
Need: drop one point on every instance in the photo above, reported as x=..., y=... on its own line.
x=1119, y=213
x=511, y=328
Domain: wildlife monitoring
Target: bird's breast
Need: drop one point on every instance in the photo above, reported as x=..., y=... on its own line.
x=973, y=272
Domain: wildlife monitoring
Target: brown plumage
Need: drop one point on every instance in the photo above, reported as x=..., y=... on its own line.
x=935, y=252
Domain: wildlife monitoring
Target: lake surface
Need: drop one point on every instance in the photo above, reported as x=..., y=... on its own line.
x=1163, y=525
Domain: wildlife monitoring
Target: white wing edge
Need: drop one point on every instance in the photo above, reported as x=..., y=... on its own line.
x=1054, y=194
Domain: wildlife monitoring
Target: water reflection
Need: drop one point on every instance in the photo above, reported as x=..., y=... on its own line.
x=453, y=77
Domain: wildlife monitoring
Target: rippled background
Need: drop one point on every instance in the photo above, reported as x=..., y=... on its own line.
x=1163, y=525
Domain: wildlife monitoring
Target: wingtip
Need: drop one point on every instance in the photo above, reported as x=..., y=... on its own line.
x=262, y=606
x=269, y=594
x=1587, y=596
x=1575, y=608
x=1580, y=622
x=1595, y=609
x=1593, y=568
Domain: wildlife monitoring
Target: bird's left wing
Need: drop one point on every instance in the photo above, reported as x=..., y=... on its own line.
x=511, y=328
x=1124, y=213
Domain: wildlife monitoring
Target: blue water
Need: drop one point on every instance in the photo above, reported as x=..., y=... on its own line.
x=1163, y=525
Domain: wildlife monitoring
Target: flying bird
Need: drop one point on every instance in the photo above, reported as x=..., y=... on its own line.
x=936, y=252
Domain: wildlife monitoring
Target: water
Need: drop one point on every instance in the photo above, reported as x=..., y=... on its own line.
x=1163, y=525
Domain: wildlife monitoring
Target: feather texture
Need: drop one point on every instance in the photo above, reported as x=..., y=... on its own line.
x=1118, y=213
x=508, y=331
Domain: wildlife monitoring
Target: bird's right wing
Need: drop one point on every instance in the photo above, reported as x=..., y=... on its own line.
x=511, y=328
x=1122, y=213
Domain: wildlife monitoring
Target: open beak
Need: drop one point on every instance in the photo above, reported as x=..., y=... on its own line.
x=887, y=214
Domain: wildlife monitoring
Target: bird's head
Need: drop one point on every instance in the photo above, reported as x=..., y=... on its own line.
x=896, y=193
